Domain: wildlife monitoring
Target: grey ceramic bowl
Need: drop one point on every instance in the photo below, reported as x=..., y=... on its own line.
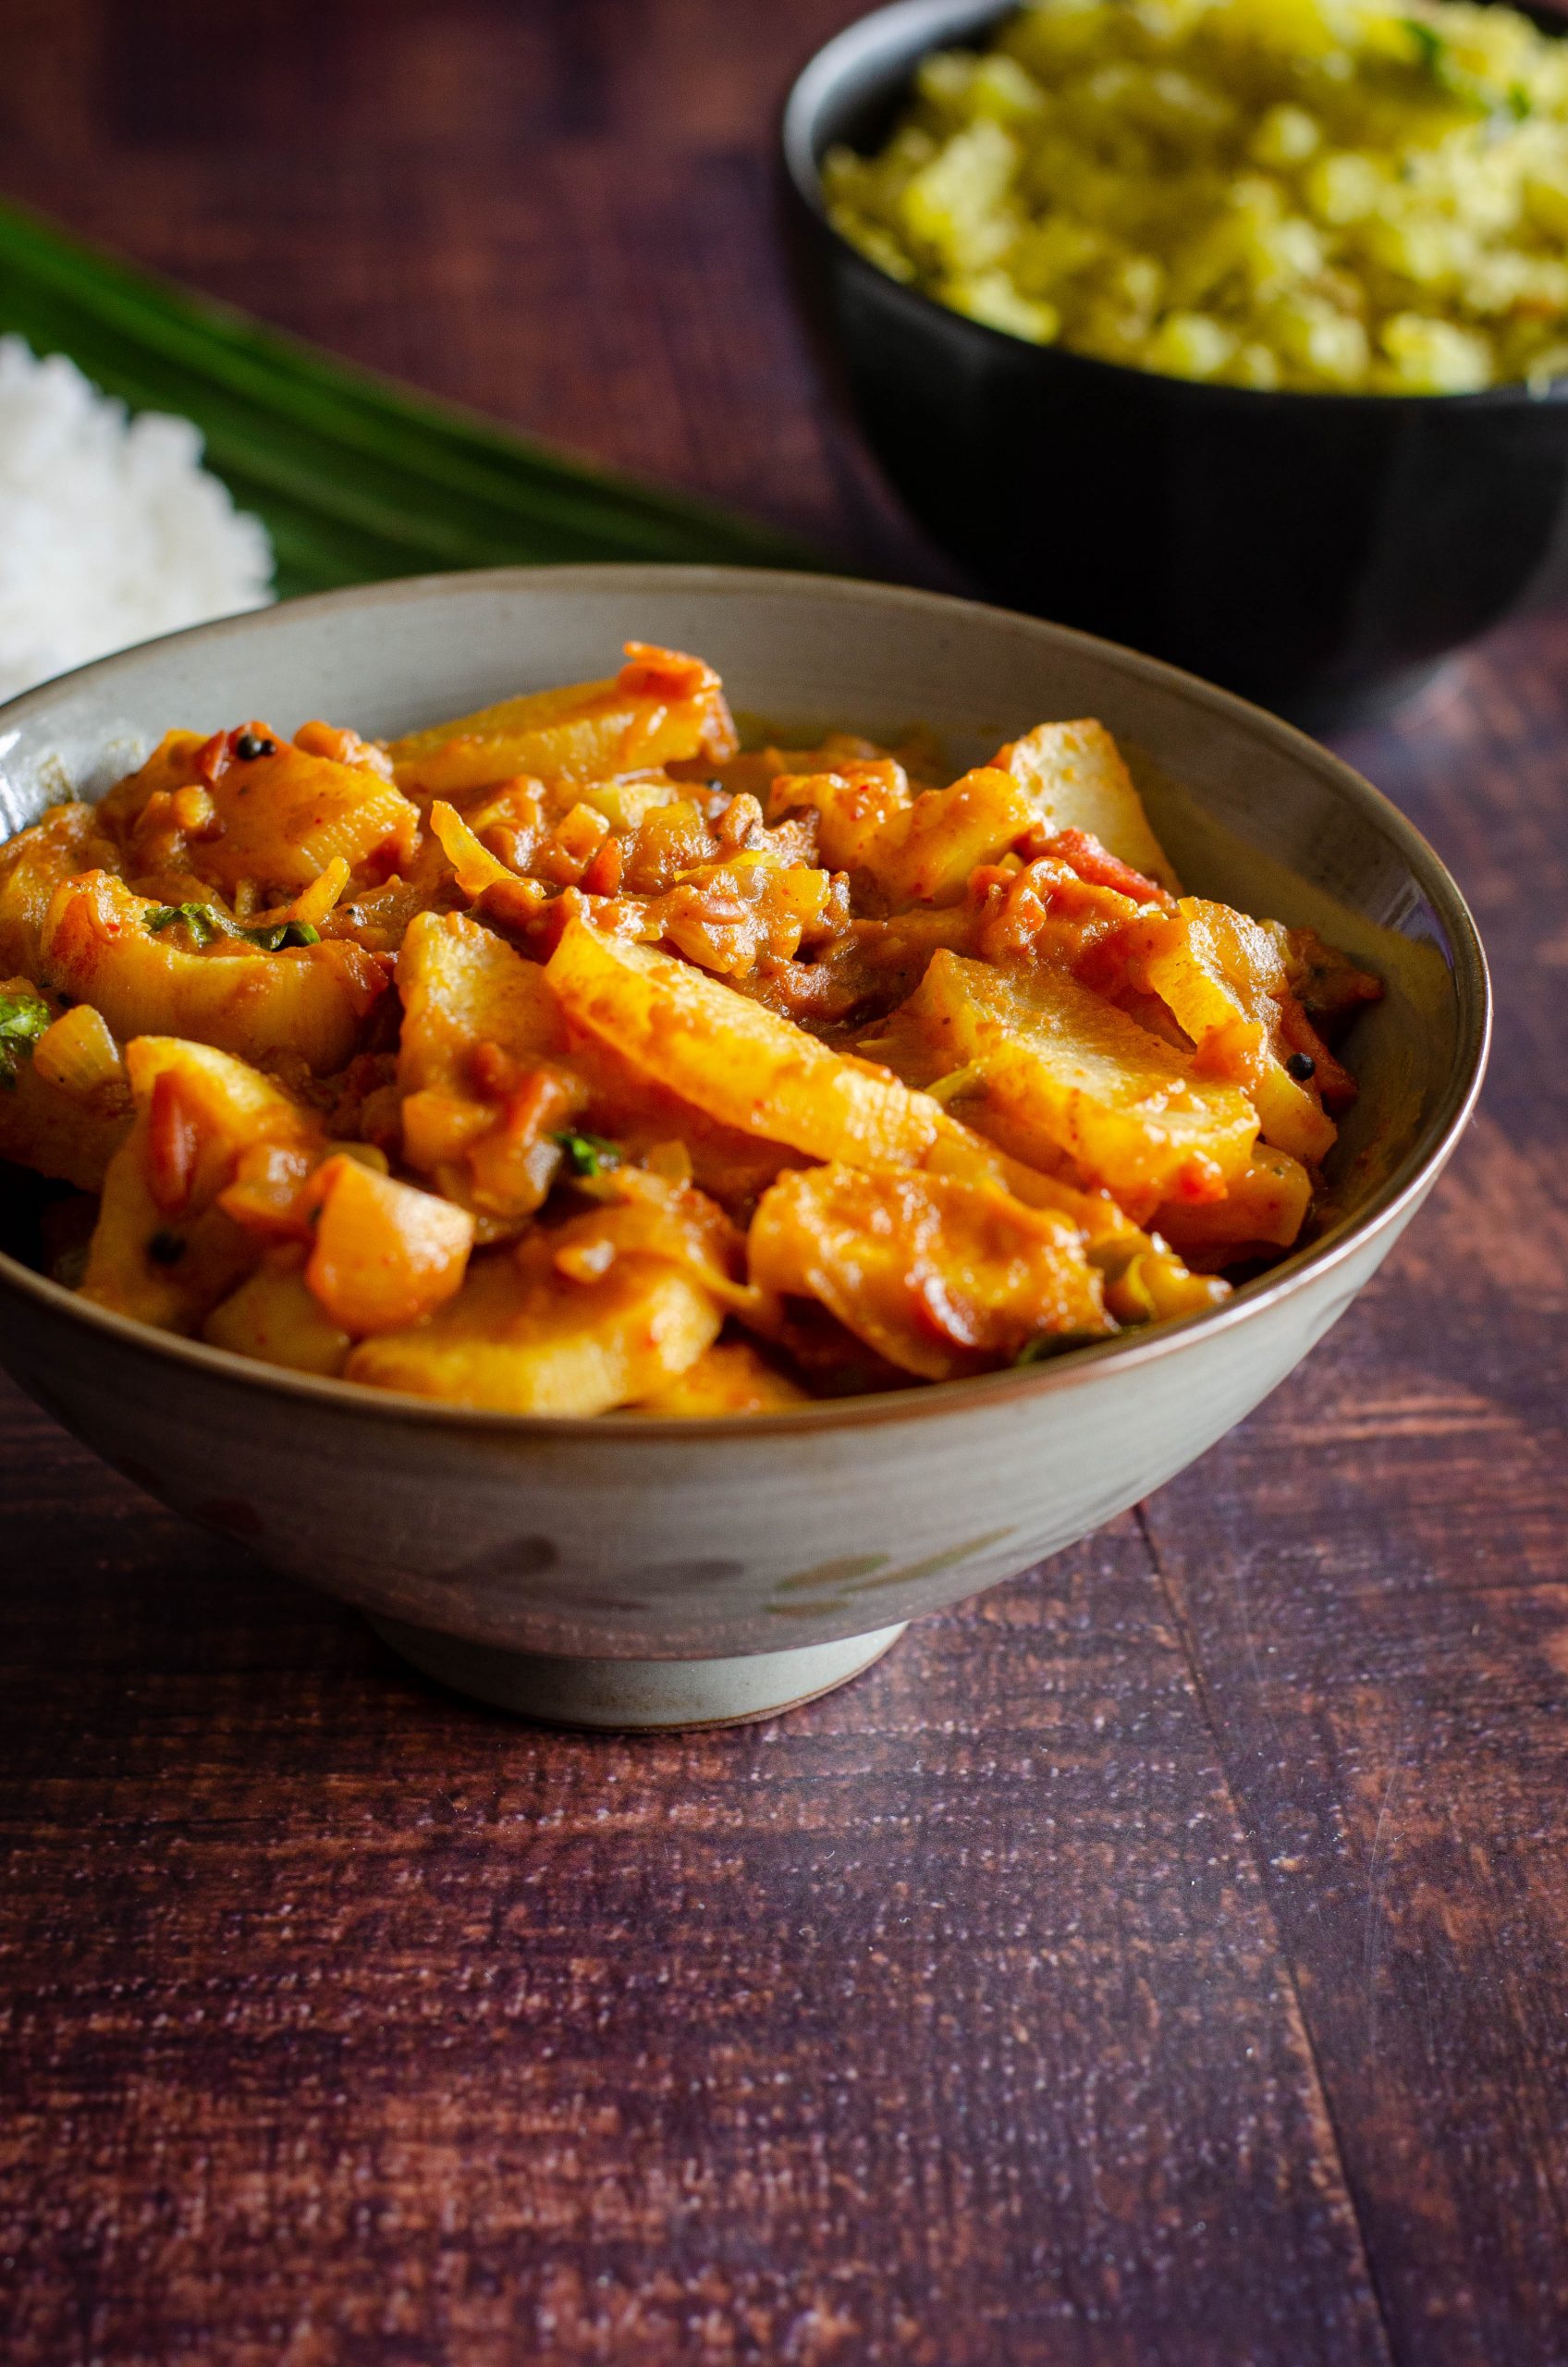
x=628, y=1572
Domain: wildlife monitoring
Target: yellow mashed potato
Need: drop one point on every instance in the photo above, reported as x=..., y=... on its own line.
x=1332, y=195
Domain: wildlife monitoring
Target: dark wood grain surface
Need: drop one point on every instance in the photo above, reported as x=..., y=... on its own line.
x=1163, y=1960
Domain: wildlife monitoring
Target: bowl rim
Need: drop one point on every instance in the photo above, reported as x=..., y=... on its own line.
x=862, y=37
x=1407, y=1182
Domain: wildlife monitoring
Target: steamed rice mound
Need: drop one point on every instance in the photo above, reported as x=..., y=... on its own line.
x=111, y=530
x=1330, y=195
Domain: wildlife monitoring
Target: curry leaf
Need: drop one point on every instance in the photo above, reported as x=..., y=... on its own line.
x=202, y=921
x=588, y=1154
x=278, y=933
x=205, y=922
x=23, y=1019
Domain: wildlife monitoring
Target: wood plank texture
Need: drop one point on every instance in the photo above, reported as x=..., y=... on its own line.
x=1371, y=1578
x=943, y=2021
x=1162, y=1959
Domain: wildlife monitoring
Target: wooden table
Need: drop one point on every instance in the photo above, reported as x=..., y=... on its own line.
x=1163, y=1960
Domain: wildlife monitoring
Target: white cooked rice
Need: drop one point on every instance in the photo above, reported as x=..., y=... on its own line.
x=111, y=530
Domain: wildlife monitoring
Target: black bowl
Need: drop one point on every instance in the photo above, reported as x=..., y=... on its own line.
x=1321, y=553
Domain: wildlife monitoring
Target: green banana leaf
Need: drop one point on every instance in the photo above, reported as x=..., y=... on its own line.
x=355, y=477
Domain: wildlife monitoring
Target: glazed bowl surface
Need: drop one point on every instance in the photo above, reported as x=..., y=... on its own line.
x=1319, y=553
x=625, y=1540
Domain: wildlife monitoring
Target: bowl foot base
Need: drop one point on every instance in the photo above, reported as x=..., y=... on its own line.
x=635, y=1697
